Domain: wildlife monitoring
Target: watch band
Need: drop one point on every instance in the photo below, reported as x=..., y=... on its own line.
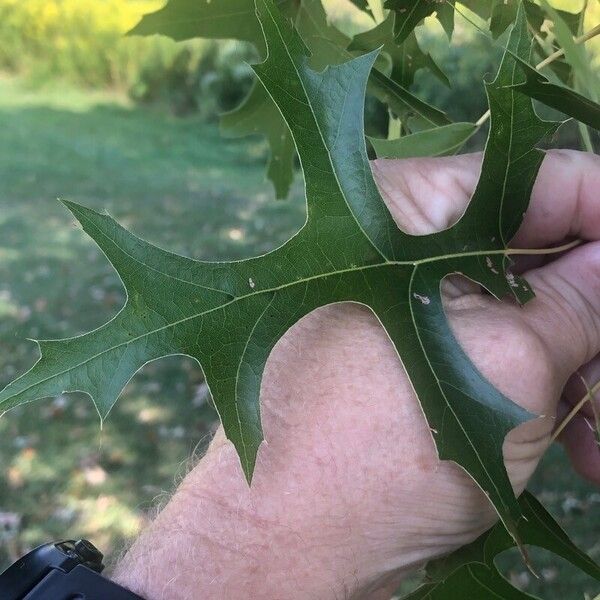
x=64, y=570
x=81, y=583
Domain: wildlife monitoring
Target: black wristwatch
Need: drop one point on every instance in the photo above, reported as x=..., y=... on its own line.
x=67, y=570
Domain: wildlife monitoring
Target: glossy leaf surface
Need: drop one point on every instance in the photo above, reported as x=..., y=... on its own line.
x=229, y=315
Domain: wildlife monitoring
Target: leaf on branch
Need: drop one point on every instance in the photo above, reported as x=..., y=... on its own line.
x=229, y=315
x=257, y=114
x=409, y=13
x=404, y=104
x=406, y=58
x=220, y=19
x=575, y=54
x=470, y=572
x=550, y=39
x=440, y=141
x=557, y=96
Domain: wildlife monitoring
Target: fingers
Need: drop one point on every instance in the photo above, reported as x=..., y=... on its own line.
x=565, y=200
x=580, y=437
x=580, y=442
x=566, y=312
x=566, y=316
x=426, y=195
x=576, y=389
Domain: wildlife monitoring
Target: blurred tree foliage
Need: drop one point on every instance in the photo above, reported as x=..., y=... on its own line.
x=83, y=42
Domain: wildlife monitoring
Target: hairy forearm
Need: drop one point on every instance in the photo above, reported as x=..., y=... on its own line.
x=348, y=493
x=316, y=521
x=219, y=538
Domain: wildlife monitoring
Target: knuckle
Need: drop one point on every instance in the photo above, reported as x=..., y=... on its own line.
x=509, y=353
x=529, y=355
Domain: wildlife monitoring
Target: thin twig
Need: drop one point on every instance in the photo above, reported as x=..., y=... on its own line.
x=554, y=250
x=578, y=40
x=494, y=252
x=588, y=397
x=596, y=414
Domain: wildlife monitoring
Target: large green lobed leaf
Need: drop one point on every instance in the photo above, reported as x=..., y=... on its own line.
x=229, y=315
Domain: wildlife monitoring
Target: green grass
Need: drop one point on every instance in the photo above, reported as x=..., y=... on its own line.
x=177, y=183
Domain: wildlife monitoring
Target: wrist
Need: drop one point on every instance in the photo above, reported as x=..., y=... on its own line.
x=220, y=538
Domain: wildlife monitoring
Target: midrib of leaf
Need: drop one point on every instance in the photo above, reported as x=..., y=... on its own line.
x=273, y=290
x=509, y=153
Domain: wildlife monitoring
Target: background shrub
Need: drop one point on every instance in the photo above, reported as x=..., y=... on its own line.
x=82, y=42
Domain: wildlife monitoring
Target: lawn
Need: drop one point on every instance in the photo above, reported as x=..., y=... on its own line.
x=177, y=183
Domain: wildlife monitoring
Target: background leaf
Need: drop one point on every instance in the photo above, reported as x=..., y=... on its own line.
x=409, y=13
x=504, y=12
x=584, y=79
x=406, y=59
x=558, y=96
x=446, y=139
x=258, y=114
x=225, y=19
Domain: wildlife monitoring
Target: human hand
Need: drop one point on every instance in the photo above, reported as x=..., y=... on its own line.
x=348, y=493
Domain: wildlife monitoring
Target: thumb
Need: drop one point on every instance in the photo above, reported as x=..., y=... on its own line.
x=566, y=311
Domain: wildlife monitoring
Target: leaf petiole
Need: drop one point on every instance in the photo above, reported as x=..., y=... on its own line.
x=504, y=251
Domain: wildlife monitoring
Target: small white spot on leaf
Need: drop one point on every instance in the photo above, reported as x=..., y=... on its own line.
x=511, y=280
x=422, y=299
x=490, y=265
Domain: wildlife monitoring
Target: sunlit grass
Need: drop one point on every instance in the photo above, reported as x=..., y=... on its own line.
x=173, y=181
